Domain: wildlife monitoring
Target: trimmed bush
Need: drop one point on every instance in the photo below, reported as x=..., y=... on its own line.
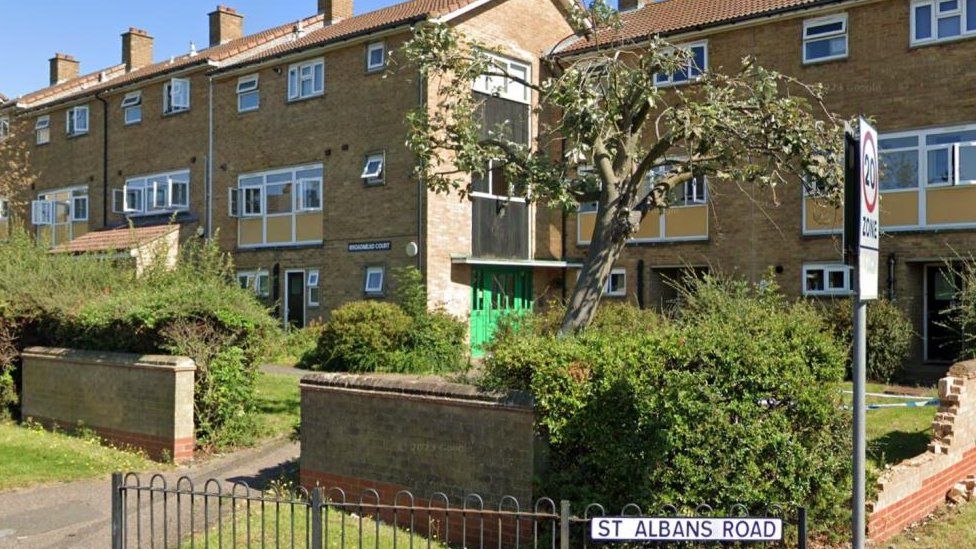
x=363, y=336
x=889, y=336
x=732, y=401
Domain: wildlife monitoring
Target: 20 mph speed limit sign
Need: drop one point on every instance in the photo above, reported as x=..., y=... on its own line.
x=869, y=225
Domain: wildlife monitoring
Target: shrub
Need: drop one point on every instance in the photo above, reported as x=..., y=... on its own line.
x=732, y=401
x=962, y=315
x=889, y=336
x=8, y=368
x=224, y=405
x=363, y=336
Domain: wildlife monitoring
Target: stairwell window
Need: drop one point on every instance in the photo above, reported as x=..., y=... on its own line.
x=248, y=96
x=176, y=96
x=942, y=20
x=825, y=38
x=77, y=120
x=42, y=130
x=306, y=79
x=697, y=65
x=132, y=108
x=373, y=284
x=153, y=194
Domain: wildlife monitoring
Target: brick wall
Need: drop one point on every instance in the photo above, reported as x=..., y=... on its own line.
x=141, y=401
x=914, y=488
x=392, y=433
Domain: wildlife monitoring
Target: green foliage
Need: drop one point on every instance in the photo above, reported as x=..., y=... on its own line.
x=962, y=316
x=8, y=368
x=409, y=291
x=732, y=401
x=224, y=408
x=889, y=336
x=363, y=336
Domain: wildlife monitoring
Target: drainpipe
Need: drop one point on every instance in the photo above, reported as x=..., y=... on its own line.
x=891, y=276
x=421, y=192
x=105, y=197
x=208, y=190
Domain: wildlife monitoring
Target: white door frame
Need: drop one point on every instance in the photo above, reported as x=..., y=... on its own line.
x=286, y=295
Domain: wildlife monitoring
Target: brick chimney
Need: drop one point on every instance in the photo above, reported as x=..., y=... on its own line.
x=630, y=5
x=225, y=25
x=63, y=67
x=335, y=10
x=137, y=49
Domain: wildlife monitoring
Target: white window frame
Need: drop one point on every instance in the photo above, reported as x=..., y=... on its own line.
x=176, y=96
x=491, y=190
x=669, y=80
x=132, y=104
x=296, y=77
x=252, y=279
x=236, y=201
x=608, y=289
x=376, y=176
x=4, y=127
x=375, y=46
x=820, y=21
x=312, y=283
x=76, y=120
x=42, y=130
x=503, y=87
x=300, y=186
x=960, y=11
x=372, y=290
x=826, y=269
x=248, y=86
x=44, y=209
x=146, y=191
x=42, y=212
x=75, y=200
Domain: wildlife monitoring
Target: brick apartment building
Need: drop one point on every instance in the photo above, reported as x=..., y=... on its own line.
x=288, y=146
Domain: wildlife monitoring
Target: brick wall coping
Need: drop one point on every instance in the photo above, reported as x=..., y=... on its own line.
x=105, y=358
x=965, y=369
x=417, y=386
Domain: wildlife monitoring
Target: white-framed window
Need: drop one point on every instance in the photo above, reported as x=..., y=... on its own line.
x=42, y=211
x=257, y=281
x=494, y=184
x=77, y=120
x=42, y=130
x=899, y=163
x=79, y=205
x=509, y=87
x=306, y=79
x=373, y=168
x=373, y=283
x=690, y=193
x=153, y=194
x=4, y=127
x=825, y=38
x=941, y=20
x=248, y=96
x=375, y=56
x=132, y=108
x=697, y=65
x=309, y=194
x=313, y=287
x=616, y=285
x=176, y=96
x=929, y=158
x=826, y=279
x=4, y=209
x=281, y=193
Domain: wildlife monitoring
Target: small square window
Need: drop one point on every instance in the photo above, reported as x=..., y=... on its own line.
x=826, y=280
x=132, y=108
x=306, y=79
x=616, y=285
x=77, y=120
x=373, y=169
x=248, y=96
x=375, y=56
x=374, y=280
x=313, y=287
x=43, y=129
x=825, y=38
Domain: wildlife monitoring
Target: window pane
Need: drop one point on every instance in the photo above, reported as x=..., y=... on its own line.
x=698, y=60
x=279, y=198
x=938, y=167
x=898, y=142
x=950, y=26
x=948, y=5
x=970, y=15
x=315, y=173
x=248, y=101
x=950, y=137
x=826, y=28
x=376, y=56
x=923, y=22
x=319, y=77
x=831, y=47
x=899, y=170
x=967, y=163
x=815, y=281
x=312, y=197
x=836, y=280
x=181, y=191
x=252, y=201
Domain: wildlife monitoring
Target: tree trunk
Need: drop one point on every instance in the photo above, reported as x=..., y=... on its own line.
x=606, y=245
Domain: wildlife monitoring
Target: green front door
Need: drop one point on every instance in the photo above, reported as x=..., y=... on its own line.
x=496, y=292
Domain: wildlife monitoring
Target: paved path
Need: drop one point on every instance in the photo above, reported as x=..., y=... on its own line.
x=78, y=514
x=278, y=369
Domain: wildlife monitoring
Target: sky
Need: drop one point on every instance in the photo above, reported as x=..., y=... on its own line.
x=32, y=31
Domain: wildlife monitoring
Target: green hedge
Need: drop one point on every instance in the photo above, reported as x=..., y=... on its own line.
x=196, y=309
x=732, y=401
x=889, y=336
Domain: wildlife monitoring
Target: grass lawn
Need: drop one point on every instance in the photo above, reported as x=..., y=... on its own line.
x=951, y=528
x=278, y=405
x=34, y=456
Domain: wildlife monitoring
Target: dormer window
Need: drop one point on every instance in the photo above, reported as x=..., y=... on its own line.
x=176, y=96
x=132, y=108
x=77, y=120
x=697, y=65
x=42, y=129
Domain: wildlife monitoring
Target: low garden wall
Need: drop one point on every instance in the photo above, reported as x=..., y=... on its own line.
x=915, y=487
x=143, y=401
x=391, y=433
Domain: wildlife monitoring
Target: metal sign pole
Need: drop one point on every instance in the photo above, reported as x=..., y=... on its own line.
x=860, y=380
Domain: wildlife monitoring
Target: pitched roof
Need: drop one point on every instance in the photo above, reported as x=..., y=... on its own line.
x=676, y=16
x=114, y=240
x=283, y=39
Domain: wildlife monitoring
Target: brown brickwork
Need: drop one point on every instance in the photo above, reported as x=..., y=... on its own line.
x=137, y=49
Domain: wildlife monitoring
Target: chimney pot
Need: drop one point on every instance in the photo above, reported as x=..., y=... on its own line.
x=63, y=67
x=226, y=24
x=137, y=49
x=335, y=10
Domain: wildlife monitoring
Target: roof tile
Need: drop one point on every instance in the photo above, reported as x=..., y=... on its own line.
x=113, y=240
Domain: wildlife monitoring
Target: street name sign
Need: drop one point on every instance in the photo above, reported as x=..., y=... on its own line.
x=678, y=529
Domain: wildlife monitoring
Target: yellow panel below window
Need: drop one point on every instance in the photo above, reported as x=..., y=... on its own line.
x=4, y=228
x=44, y=236
x=686, y=222
x=899, y=209
x=950, y=205
x=308, y=227
x=279, y=229
x=650, y=228
x=585, y=223
x=251, y=231
x=62, y=234
x=821, y=216
x=79, y=228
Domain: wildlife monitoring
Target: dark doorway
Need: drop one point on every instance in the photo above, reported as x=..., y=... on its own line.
x=941, y=337
x=295, y=298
